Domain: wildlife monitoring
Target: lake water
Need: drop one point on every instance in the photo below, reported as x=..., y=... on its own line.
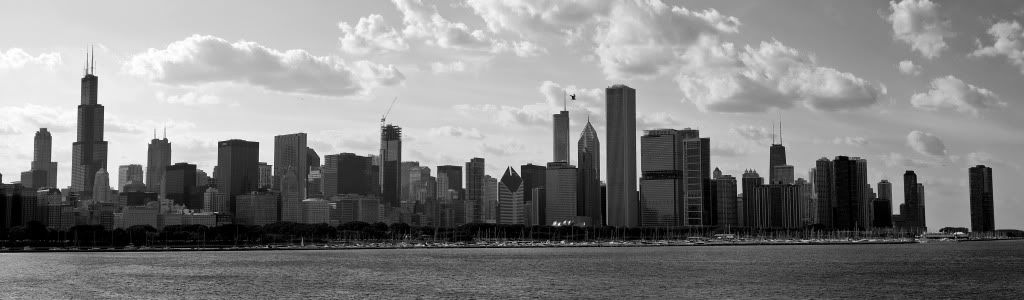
x=936, y=270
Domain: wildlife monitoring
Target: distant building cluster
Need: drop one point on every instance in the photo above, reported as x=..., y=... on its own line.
x=675, y=188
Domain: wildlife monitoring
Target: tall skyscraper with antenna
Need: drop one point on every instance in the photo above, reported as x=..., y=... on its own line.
x=89, y=151
x=157, y=159
x=777, y=155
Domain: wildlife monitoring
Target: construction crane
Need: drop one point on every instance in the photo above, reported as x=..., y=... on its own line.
x=384, y=117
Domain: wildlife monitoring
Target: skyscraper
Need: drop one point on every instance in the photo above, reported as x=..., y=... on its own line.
x=747, y=212
x=266, y=173
x=725, y=187
x=290, y=153
x=620, y=104
x=561, y=193
x=489, y=200
x=589, y=152
x=128, y=174
x=474, y=187
x=391, y=164
x=661, y=185
x=101, y=186
x=912, y=209
x=42, y=160
x=89, y=151
x=291, y=196
x=776, y=156
x=157, y=160
x=237, y=171
x=561, y=136
x=453, y=176
x=699, y=205
x=824, y=191
x=784, y=174
x=534, y=177
x=848, y=195
x=511, y=208
x=982, y=210
x=180, y=185
x=882, y=205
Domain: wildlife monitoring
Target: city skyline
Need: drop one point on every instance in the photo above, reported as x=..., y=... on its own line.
x=918, y=143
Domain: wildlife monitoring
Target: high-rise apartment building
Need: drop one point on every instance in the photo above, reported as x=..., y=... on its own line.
x=982, y=209
x=474, y=187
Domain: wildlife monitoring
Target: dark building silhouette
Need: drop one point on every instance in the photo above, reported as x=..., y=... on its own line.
x=158, y=157
x=620, y=107
x=354, y=175
x=44, y=169
x=561, y=136
x=776, y=157
x=180, y=185
x=453, y=174
x=912, y=209
x=882, y=205
x=982, y=210
x=750, y=181
x=474, y=187
x=237, y=170
x=824, y=190
x=846, y=214
x=662, y=162
x=534, y=177
x=391, y=165
x=89, y=151
x=588, y=151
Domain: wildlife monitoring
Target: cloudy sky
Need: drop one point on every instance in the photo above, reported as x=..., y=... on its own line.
x=928, y=86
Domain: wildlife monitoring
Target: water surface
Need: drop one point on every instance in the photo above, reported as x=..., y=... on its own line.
x=936, y=270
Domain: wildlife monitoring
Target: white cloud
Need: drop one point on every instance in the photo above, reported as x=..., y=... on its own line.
x=727, y=150
x=894, y=159
x=590, y=100
x=926, y=143
x=371, y=35
x=528, y=115
x=656, y=121
x=989, y=160
x=31, y=117
x=1009, y=42
x=644, y=39
x=504, y=149
x=188, y=99
x=454, y=131
x=721, y=78
x=16, y=58
x=631, y=39
x=451, y=67
x=753, y=133
x=952, y=93
x=917, y=23
x=850, y=141
x=909, y=68
x=199, y=60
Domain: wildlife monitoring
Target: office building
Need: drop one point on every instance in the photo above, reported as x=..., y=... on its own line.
x=128, y=174
x=848, y=210
x=589, y=154
x=89, y=151
x=237, y=171
x=489, y=200
x=266, y=173
x=982, y=209
x=101, y=187
x=784, y=174
x=750, y=181
x=560, y=204
x=620, y=104
x=474, y=188
x=561, y=136
x=290, y=153
x=316, y=211
x=157, y=159
x=882, y=206
x=725, y=189
x=180, y=185
x=42, y=162
x=256, y=208
x=511, y=208
x=290, y=209
x=912, y=209
x=390, y=164
x=662, y=181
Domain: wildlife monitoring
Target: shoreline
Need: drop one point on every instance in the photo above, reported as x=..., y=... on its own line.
x=397, y=246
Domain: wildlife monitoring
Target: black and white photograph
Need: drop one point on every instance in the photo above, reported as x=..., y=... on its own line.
x=512, y=149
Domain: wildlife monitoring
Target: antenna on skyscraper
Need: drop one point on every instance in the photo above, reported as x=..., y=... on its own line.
x=165, y=132
x=773, y=133
x=92, y=63
x=780, y=128
x=85, y=69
